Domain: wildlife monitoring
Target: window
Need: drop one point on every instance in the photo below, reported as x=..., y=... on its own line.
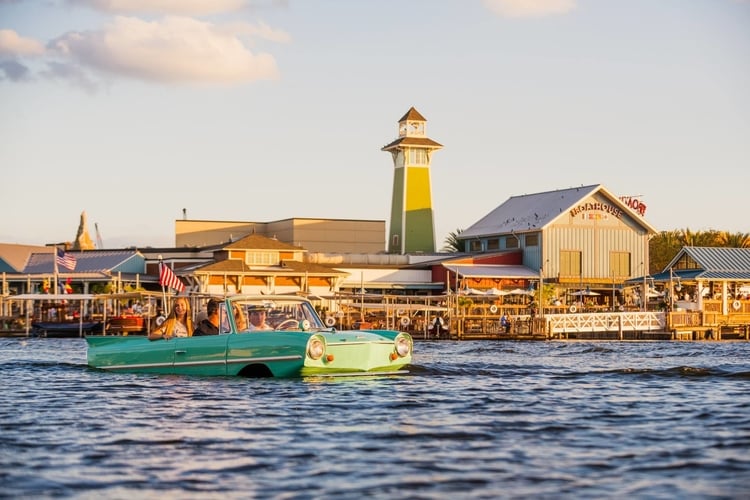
x=261, y=258
x=476, y=245
x=532, y=240
x=511, y=241
x=570, y=263
x=418, y=157
x=493, y=244
x=619, y=264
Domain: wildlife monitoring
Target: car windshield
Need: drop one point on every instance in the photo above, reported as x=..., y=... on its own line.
x=268, y=313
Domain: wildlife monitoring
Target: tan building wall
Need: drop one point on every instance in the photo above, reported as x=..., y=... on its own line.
x=314, y=235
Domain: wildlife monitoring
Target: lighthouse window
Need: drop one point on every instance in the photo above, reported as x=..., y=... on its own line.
x=418, y=157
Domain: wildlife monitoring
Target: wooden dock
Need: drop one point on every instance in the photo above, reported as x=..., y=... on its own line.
x=637, y=326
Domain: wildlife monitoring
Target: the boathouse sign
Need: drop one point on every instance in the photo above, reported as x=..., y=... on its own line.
x=596, y=206
x=637, y=206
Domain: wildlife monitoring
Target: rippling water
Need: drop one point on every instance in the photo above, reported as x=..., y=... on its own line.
x=472, y=420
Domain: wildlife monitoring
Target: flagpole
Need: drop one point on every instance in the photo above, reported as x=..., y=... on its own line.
x=54, y=274
x=163, y=291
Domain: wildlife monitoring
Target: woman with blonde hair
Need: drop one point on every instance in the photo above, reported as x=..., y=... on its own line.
x=179, y=323
x=240, y=319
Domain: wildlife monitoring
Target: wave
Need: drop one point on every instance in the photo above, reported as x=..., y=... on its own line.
x=674, y=372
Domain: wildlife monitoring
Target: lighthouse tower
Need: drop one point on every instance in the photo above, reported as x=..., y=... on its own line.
x=412, y=220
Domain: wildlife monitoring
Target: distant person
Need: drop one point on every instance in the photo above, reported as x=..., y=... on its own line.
x=437, y=326
x=505, y=322
x=258, y=319
x=179, y=323
x=209, y=325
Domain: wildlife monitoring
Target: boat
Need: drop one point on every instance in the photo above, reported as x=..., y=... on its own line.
x=72, y=328
x=299, y=344
x=58, y=315
x=128, y=313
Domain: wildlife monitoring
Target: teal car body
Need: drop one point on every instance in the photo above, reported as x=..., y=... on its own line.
x=299, y=345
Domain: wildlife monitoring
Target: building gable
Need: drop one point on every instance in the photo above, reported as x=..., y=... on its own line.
x=534, y=212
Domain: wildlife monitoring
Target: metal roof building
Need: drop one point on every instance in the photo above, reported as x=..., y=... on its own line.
x=577, y=237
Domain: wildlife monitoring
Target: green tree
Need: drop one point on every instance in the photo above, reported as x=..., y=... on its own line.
x=734, y=240
x=452, y=243
x=665, y=245
x=708, y=238
x=662, y=248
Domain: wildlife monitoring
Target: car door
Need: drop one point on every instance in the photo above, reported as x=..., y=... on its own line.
x=202, y=355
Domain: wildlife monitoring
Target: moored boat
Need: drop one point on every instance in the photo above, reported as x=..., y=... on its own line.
x=58, y=315
x=72, y=328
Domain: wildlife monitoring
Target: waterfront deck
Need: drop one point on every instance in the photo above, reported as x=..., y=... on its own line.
x=605, y=325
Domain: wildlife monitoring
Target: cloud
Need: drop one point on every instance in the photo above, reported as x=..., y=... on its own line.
x=178, y=7
x=175, y=49
x=11, y=43
x=70, y=73
x=529, y=8
x=13, y=71
x=261, y=30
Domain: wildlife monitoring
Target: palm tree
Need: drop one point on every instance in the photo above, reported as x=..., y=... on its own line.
x=452, y=243
x=734, y=240
x=662, y=248
x=708, y=238
x=665, y=245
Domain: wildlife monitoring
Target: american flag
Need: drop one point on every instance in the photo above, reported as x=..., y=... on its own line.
x=65, y=259
x=167, y=278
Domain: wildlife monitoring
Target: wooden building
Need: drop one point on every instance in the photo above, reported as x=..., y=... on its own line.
x=257, y=264
x=582, y=238
x=706, y=292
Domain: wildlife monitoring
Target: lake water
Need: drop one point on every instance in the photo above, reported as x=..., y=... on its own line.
x=472, y=420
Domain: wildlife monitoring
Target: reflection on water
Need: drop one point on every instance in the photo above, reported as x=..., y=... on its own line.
x=472, y=419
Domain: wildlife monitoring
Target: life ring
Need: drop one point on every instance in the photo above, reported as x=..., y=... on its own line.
x=736, y=305
x=493, y=308
x=330, y=321
x=621, y=308
x=405, y=320
x=160, y=320
x=573, y=308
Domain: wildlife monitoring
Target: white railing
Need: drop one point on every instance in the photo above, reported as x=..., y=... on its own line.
x=606, y=322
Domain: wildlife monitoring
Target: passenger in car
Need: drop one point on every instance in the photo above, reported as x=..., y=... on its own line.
x=179, y=323
x=258, y=319
x=239, y=319
x=210, y=325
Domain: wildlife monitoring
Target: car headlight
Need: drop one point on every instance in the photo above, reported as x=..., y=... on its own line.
x=316, y=348
x=403, y=346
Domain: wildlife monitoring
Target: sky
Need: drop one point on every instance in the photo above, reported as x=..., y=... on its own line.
x=259, y=110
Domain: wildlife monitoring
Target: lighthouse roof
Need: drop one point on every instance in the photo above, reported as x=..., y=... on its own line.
x=413, y=115
x=424, y=142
